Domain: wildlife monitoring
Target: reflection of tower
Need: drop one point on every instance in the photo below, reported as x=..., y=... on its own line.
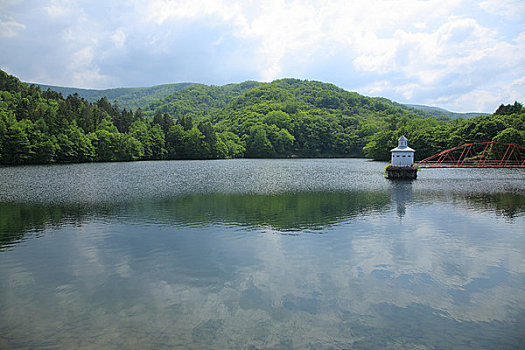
x=401, y=195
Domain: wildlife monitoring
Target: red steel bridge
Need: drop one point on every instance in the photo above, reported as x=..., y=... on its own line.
x=478, y=155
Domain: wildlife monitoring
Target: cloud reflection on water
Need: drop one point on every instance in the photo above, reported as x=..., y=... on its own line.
x=326, y=264
x=177, y=273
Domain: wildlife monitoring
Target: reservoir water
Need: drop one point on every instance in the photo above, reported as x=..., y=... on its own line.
x=260, y=254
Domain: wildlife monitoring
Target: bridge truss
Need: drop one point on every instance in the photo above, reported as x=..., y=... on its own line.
x=478, y=155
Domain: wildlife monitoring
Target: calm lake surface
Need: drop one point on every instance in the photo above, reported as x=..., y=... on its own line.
x=260, y=254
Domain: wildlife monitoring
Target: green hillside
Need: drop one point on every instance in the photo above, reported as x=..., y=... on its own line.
x=440, y=113
x=129, y=98
x=198, y=99
x=305, y=118
x=284, y=118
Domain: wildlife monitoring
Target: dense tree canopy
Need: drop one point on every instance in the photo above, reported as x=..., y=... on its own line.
x=284, y=118
x=38, y=127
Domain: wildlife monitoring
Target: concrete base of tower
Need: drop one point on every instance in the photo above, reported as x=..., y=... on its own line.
x=397, y=172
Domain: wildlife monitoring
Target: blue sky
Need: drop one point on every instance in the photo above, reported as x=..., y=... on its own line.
x=459, y=55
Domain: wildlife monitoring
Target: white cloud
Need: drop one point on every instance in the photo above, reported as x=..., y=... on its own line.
x=300, y=28
x=483, y=100
x=428, y=56
x=512, y=9
x=462, y=58
x=10, y=28
x=159, y=11
x=380, y=36
x=83, y=71
x=280, y=28
x=82, y=57
x=419, y=51
x=518, y=84
x=119, y=38
x=60, y=8
x=283, y=30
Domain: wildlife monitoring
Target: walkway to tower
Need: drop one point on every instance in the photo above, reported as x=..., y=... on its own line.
x=478, y=155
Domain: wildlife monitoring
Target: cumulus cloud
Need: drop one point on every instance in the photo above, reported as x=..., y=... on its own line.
x=119, y=38
x=512, y=9
x=411, y=51
x=10, y=28
x=60, y=8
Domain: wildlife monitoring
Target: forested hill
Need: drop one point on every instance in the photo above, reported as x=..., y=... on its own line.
x=129, y=98
x=284, y=118
x=199, y=99
x=440, y=113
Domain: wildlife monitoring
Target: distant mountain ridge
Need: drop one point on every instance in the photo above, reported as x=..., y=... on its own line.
x=437, y=112
x=157, y=97
x=129, y=98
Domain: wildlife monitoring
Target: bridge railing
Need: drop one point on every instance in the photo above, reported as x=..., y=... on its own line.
x=478, y=155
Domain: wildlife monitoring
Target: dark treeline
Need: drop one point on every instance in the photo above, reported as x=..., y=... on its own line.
x=428, y=136
x=284, y=118
x=39, y=127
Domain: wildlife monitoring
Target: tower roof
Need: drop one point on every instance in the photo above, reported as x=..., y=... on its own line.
x=402, y=149
x=402, y=145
